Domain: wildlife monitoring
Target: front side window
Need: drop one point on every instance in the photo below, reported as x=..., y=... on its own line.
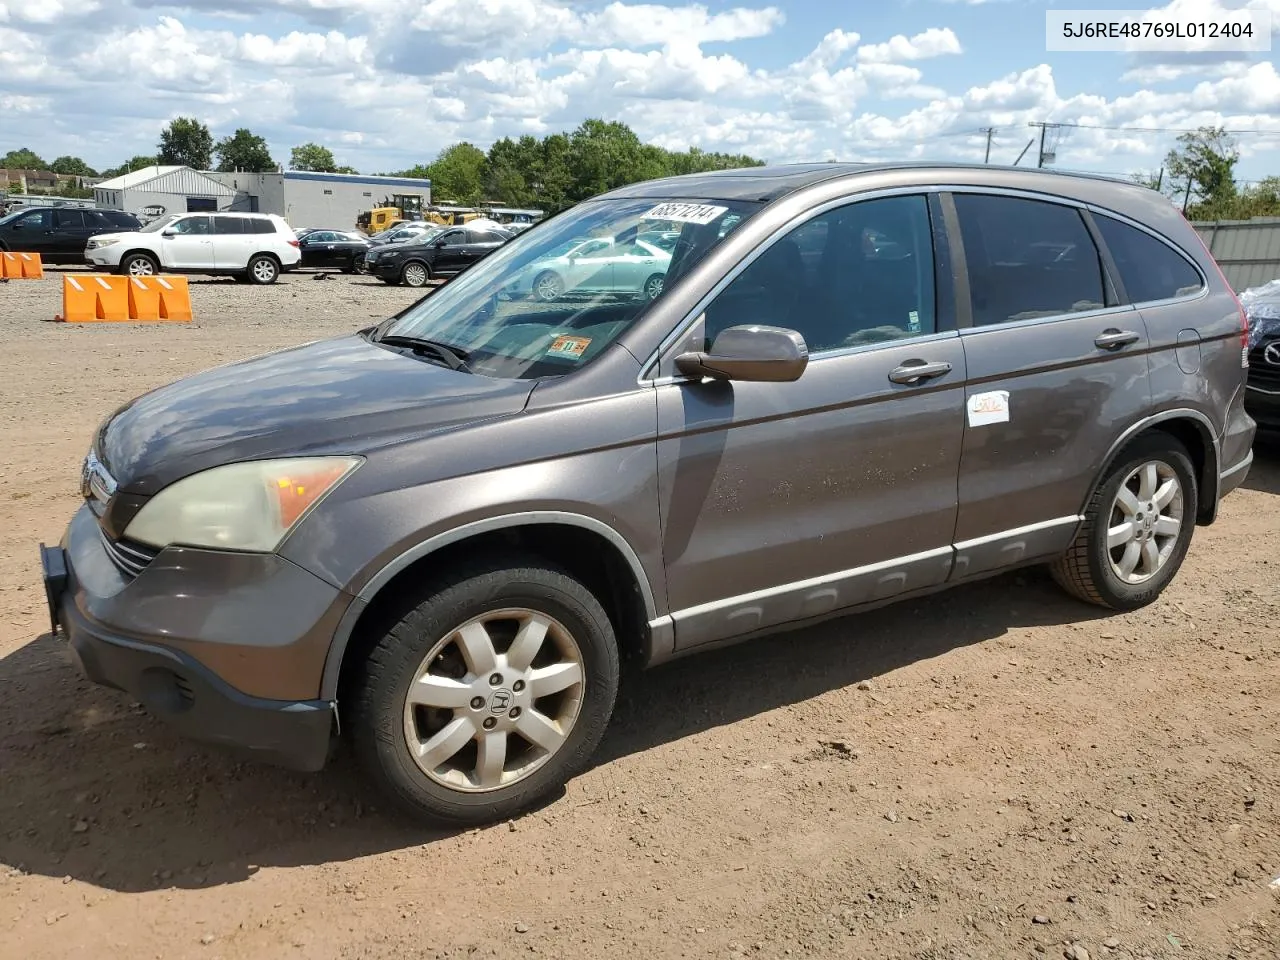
x=861, y=273
x=452, y=238
x=191, y=226
x=1027, y=259
x=35, y=219
x=1149, y=269
x=534, y=308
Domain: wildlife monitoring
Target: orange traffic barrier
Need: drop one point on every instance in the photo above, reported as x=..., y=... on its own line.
x=95, y=297
x=21, y=266
x=159, y=298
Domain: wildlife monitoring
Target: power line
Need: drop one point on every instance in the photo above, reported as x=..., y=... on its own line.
x=1128, y=129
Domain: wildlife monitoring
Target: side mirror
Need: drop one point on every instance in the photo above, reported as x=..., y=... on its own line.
x=168, y=233
x=750, y=353
x=439, y=243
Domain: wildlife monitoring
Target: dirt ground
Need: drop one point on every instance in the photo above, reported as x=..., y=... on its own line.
x=997, y=772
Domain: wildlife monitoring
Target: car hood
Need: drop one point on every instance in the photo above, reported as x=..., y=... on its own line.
x=344, y=395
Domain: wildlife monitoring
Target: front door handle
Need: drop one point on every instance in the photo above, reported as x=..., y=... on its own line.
x=1114, y=339
x=915, y=371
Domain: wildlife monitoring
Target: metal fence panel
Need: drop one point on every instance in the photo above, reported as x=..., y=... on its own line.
x=1247, y=250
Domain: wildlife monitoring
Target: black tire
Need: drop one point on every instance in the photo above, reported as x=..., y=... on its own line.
x=415, y=273
x=379, y=691
x=652, y=288
x=1086, y=570
x=128, y=261
x=262, y=269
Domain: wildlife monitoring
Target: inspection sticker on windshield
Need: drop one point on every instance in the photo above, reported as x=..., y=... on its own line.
x=569, y=348
x=699, y=213
x=989, y=408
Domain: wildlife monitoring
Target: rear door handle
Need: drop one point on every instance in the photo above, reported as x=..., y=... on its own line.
x=915, y=371
x=1115, y=339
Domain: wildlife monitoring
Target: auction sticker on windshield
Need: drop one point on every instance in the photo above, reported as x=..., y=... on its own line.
x=699, y=213
x=568, y=348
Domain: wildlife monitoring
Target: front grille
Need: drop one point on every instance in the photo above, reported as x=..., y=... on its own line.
x=130, y=558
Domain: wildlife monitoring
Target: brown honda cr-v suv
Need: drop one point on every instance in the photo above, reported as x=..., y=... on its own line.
x=847, y=385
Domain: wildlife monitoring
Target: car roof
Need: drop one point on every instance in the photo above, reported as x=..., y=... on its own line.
x=768, y=183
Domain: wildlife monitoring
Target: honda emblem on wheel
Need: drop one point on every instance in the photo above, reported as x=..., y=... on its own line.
x=499, y=702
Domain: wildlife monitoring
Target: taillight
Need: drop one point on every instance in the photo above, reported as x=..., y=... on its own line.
x=1244, y=314
x=294, y=243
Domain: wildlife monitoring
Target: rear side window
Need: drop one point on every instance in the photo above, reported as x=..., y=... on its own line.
x=1149, y=268
x=260, y=225
x=228, y=225
x=68, y=218
x=1027, y=259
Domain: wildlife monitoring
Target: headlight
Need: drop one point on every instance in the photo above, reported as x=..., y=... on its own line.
x=243, y=506
x=98, y=244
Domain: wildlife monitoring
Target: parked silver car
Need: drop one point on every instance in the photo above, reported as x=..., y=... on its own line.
x=596, y=265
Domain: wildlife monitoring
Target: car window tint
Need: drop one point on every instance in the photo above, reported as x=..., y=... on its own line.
x=68, y=218
x=192, y=226
x=861, y=273
x=36, y=219
x=228, y=225
x=260, y=225
x=1027, y=259
x=97, y=220
x=321, y=236
x=122, y=219
x=1149, y=268
x=451, y=237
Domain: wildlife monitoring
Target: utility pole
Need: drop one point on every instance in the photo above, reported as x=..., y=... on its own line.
x=1043, y=127
x=1186, y=197
x=990, y=132
x=1024, y=151
x=1160, y=179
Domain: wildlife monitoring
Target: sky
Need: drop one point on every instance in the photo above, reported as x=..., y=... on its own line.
x=387, y=84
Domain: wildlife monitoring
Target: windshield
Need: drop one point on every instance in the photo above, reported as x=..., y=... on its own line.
x=547, y=302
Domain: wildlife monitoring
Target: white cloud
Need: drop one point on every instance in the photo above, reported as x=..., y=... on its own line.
x=932, y=43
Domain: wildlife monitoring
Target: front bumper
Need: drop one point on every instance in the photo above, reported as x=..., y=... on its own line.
x=1263, y=405
x=164, y=674
x=383, y=269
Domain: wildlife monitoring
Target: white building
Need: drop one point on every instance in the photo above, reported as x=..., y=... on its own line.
x=304, y=199
x=154, y=191
x=330, y=200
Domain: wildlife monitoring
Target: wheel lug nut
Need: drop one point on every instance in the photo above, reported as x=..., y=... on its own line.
x=490, y=723
x=495, y=680
x=515, y=712
x=477, y=703
x=518, y=686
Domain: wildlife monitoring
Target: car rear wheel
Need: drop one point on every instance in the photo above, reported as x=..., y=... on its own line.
x=139, y=265
x=487, y=696
x=547, y=286
x=1137, y=527
x=415, y=274
x=653, y=287
x=263, y=269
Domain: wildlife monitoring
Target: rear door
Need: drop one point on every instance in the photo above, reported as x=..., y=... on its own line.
x=70, y=234
x=1057, y=371
x=231, y=242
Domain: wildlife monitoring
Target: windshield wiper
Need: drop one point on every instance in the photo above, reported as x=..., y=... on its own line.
x=454, y=358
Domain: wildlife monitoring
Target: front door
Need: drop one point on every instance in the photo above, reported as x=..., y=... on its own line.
x=188, y=243
x=32, y=232
x=1057, y=372
x=450, y=249
x=784, y=501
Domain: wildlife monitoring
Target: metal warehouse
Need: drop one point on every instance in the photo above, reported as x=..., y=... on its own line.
x=154, y=191
x=318, y=199
x=304, y=199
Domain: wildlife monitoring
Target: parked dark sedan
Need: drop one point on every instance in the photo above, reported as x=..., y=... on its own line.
x=333, y=249
x=59, y=234
x=416, y=262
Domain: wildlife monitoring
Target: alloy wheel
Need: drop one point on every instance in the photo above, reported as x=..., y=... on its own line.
x=494, y=700
x=1146, y=518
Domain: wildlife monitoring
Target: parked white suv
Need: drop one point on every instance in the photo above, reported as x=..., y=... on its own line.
x=249, y=246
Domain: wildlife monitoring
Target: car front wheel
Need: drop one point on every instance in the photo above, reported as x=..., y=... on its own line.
x=415, y=274
x=1137, y=527
x=139, y=265
x=487, y=696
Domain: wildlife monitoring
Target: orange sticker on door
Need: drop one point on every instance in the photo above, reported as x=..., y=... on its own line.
x=568, y=348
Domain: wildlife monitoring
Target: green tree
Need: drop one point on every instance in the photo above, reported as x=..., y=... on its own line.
x=22, y=159
x=72, y=190
x=72, y=166
x=458, y=174
x=186, y=142
x=351, y=170
x=244, y=150
x=314, y=158
x=1205, y=159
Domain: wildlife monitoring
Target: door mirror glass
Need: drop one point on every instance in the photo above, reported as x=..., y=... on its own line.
x=752, y=353
x=168, y=233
